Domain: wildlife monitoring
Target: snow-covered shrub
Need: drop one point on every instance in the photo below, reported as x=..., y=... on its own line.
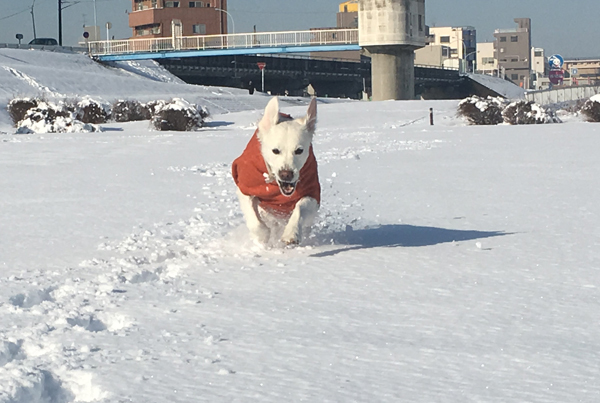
x=178, y=115
x=18, y=107
x=155, y=106
x=129, y=111
x=204, y=112
x=48, y=117
x=90, y=111
x=527, y=113
x=591, y=109
x=482, y=111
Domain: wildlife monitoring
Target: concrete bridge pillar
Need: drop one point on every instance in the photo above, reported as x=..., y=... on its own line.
x=390, y=31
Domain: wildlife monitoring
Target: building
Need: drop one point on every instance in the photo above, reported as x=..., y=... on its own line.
x=462, y=42
x=347, y=17
x=513, y=52
x=486, y=60
x=434, y=56
x=155, y=18
x=539, y=66
x=583, y=71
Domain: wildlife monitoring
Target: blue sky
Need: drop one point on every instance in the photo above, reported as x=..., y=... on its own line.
x=561, y=27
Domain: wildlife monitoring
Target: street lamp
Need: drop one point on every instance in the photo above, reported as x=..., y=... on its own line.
x=232, y=21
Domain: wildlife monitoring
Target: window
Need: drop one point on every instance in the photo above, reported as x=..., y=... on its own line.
x=514, y=39
x=170, y=4
x=487, y=60
x=196, y=4
x=453, y=51
x=444, y=39
x=503, y=39
x=514, y=60
x=199, y=29
x=421, y=23
x=514, y=76
x=151, y=29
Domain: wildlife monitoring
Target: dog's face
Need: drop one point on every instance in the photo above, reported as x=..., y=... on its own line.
x=285, y=144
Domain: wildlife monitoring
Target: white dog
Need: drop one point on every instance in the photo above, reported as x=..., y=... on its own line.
x=277, y=177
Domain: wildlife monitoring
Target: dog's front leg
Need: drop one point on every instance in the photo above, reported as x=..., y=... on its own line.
x=301, y=219
x=258, y=230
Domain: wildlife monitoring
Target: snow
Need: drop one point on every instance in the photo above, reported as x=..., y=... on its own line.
x=596, y=98
x=449, y=263
x=502, y=87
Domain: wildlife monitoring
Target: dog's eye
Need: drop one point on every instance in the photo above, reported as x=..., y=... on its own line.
x=276, y=151
x=298, y=151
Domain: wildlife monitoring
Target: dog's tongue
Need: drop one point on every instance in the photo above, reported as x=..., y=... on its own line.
x=287, y=187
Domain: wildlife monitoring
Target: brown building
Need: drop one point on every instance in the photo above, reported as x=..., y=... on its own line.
x=584, y=71
x=347, y=17
x=153, y=18
x=512, y=50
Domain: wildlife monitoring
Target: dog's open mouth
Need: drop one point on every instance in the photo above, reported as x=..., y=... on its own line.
x=287, y=188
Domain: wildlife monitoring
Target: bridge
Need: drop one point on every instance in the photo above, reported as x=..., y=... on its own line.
x=322, y=40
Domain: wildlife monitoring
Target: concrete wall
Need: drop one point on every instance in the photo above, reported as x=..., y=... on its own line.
x=559, y=95
x=391, y=22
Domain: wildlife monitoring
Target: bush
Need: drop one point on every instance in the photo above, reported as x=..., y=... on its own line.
x=90, y=111
x=130, y=111
x=527, y=113
x=18, y=107
x=154, y=107
x=178, y=115
x=482, y=111
x=48, y=117
x=591, y=109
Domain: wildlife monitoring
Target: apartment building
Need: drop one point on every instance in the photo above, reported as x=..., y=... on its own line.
x=461, y=42
x=584, y=71
x=539, y=66
x=486, y=60
x=154, y=18
x=513, y=52
x=347, y=17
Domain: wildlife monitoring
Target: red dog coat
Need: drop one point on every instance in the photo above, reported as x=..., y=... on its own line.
x=251, y=176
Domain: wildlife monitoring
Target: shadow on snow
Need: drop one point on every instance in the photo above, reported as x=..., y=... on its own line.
x=397, y=235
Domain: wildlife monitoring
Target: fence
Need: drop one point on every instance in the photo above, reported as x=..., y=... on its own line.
x=230, y=41
x=559, y=95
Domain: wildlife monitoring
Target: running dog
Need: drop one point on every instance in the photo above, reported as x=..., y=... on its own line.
x=277, y=178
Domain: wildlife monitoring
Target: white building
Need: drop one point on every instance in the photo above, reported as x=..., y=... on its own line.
x=462, y=42
x=486, y=62
x=538, y=66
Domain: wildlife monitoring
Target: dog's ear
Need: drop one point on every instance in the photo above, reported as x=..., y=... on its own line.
x=310, y=121
x=271, y=116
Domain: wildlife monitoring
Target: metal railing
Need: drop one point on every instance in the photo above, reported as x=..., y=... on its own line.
x=229, y=41
x=558, y=95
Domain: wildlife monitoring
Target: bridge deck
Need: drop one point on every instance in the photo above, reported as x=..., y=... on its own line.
x=230, y=44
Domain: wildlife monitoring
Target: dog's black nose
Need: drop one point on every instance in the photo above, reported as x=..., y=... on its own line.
x=286, y=175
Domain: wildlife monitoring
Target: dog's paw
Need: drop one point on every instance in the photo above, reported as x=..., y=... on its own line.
x=291, y=236
x=290, y=242
x=261, y=234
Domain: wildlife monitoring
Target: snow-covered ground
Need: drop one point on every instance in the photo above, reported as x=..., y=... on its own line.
x=449, y=263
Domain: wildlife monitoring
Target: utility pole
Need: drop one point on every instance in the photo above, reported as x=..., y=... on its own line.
x=60, y=22
x=33, y=19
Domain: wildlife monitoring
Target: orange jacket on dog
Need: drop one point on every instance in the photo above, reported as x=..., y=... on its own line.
x=252, y=178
